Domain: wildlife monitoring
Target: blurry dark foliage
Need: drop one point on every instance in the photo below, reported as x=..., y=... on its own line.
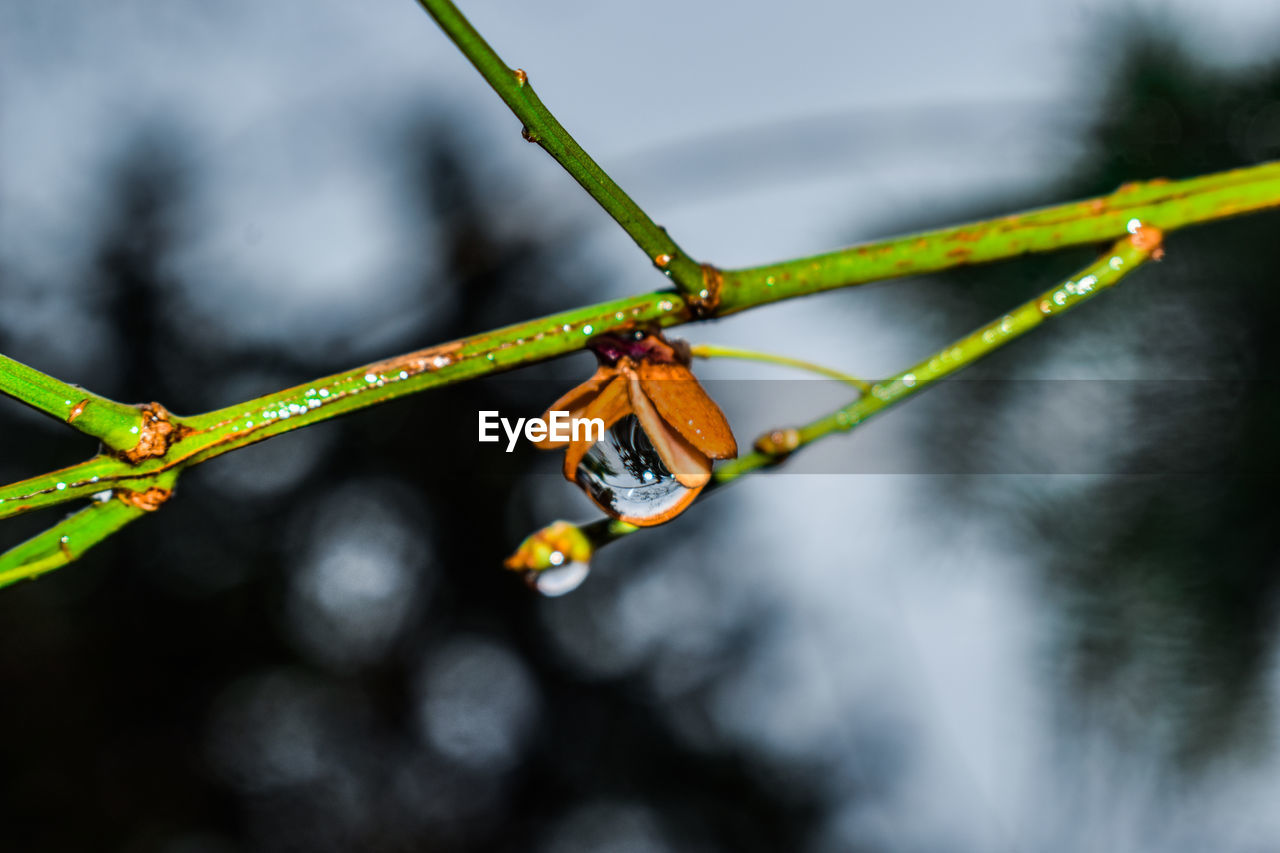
x=112, y=672
x=1168, y=574
x=113, y=669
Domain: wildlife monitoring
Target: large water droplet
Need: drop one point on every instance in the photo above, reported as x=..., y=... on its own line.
x=625, y=475
x=558, y=580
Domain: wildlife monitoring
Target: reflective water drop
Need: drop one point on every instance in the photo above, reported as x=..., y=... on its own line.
x=558, y=580
x=625, y=475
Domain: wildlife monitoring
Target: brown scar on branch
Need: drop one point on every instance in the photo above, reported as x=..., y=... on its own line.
x=77, y=410
x=149, y=501
x=157, y=432
x=705, y=302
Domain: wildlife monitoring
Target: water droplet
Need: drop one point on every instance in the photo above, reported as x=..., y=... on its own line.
x=441, y=361
x=664, y=305
x=369, y=377
x=619, y=315
x=1060, y=298
x=909, y=379
x=1046, y=307
x=1087, y=283
x=1134, y=226
x=989, y=336
x=61, y=486
x=324, y=392
x=586, y=330
x=625, y=475
x=1116, y=262
x=1006, y=324
x=491, y=357
x=704, y=293
x=559, y=580
x=404, y=374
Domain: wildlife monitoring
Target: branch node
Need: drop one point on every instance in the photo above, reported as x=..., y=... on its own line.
x=157, y=433
x=706, y=301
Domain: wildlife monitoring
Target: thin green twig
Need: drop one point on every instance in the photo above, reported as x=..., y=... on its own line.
x=1124, y=258
x=67, y=540
x=717, y=351
x=1167, y=205
x=540, y=126
x=115, y=424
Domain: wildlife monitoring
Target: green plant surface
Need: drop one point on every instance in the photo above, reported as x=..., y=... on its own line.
x=114, y=424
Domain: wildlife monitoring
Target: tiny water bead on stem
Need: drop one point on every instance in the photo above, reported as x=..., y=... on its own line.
x=662, y=431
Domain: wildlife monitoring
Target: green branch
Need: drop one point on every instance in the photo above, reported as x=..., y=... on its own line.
x=1167, y=205
x=540, y=126
x=115, y=424
x=774, y=447
x=203, y=437
x=66, y=541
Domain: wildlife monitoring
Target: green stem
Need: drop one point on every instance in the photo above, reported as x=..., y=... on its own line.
x=1167, y=205
x=716, y=351
x=115, y=424
x=207, y=436
x=65, y=541
x=1172, y=204
x=1126, y=256
x=1123, y=259
x=540, y=126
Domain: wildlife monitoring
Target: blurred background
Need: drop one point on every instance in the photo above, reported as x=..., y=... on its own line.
x=1031, y=610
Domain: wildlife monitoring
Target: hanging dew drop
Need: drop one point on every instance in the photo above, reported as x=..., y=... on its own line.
x=558, y=580
x=625, y=475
